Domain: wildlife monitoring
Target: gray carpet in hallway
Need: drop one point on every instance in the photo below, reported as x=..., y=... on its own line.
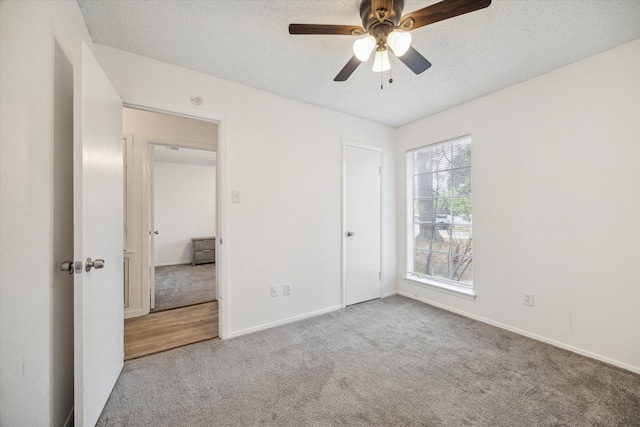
x=184, y=284
x=390, y=362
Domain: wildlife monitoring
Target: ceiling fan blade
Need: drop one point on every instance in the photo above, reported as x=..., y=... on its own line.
x=440, y=11
x=348, y=69
x=416, y=62
x=339, y=30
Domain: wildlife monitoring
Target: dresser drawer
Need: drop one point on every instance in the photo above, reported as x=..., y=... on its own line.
x=204, y=244
x=207, y=255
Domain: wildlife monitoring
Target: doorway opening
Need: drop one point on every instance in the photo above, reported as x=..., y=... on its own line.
x=183, y=217
x=170, y=231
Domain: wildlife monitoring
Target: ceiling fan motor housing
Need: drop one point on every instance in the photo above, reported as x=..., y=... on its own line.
x=370, y=16
x=379, y=23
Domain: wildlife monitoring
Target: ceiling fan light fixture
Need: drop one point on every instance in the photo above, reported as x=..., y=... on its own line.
x=381, y=62
x=362, y=48
x=399, y=42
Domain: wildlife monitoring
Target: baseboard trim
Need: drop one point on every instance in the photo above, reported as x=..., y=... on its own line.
x=128, y=314
x=283, y=321
x=166, y=264
x=527, y=334
x=389, y=294
x=69, y=421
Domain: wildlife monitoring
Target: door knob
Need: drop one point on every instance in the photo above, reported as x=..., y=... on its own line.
x=350, y=234
x=99, y=263
x=156, y=232
x=67, y=266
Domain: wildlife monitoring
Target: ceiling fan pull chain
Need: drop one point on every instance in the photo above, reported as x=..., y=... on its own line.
x=381, y=85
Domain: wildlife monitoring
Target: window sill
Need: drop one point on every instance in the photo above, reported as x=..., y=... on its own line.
x=447, y=288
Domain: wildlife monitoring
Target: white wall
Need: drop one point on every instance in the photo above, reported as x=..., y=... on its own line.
x=30, y=333
x=169, y=129
x=556, y=205
x=285, y=157
x=185, y=207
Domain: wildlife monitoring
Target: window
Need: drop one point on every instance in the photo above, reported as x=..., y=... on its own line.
x=440, y=226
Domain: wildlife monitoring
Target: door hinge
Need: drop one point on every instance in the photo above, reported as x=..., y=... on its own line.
x=380, y=170
x=379, y=274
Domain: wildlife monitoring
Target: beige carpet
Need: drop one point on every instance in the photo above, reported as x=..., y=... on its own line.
x=184, y=284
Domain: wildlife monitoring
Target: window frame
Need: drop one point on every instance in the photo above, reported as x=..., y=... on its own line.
x=434, y=282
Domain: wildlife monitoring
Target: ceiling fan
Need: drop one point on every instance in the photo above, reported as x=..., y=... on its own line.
x=386, y=29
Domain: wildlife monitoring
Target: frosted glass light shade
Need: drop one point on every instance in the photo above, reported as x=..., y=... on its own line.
x=362, y=48
x=381, y=61
x=399, y=42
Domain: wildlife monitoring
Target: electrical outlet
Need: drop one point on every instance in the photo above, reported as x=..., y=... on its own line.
x=286, y=289
x=275, y=290
x=528, y=300
x=416, y=291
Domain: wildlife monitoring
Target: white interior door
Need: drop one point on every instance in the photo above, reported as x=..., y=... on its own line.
x=152, y=230
x=98, y=225
x=363, y=223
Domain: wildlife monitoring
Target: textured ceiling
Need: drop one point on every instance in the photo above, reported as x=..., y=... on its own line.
x=247, y=41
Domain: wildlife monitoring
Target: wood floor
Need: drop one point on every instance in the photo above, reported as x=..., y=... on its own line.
x=169, y=329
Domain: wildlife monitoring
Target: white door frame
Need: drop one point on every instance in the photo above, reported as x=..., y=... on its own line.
x=222, y=205
x=149, y=270
x=349, y=143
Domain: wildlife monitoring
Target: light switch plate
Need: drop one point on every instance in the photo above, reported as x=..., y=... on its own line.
x=235, y=196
